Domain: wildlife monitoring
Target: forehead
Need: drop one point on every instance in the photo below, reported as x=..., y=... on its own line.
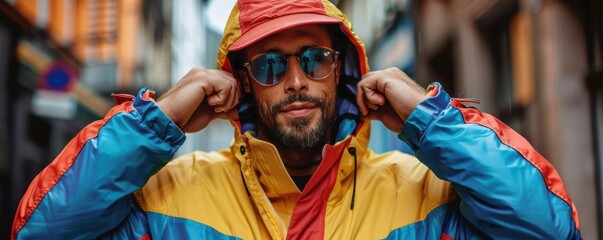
x=292, y=40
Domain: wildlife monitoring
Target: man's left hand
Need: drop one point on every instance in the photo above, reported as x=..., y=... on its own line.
x=389, y=96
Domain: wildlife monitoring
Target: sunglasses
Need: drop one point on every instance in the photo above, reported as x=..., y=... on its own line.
x=270, y=68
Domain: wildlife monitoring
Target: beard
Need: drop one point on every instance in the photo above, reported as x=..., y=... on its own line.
x=298, y=133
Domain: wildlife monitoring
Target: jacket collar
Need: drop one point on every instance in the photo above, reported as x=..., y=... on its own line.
x=263, y=159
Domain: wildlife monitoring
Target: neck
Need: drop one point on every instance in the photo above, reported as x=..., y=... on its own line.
x=301, y=163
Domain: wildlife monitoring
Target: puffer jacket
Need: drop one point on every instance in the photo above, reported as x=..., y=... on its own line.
x=471, y=177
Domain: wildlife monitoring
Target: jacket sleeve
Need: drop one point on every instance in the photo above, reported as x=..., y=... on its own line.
x=506, y=188
x=87, y=190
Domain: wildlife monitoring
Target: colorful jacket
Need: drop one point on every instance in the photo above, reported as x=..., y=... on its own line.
x=485, y=181
x=472, y=177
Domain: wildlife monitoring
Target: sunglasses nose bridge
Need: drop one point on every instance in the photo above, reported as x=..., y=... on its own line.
x=294, y=79
x=294, y=67
x=287, y=62
x=299, y=64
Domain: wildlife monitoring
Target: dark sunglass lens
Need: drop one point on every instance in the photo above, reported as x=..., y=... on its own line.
x=317, y=62
x=269, y=68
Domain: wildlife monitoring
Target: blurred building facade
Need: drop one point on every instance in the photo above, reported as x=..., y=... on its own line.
x=196, y=44
x=108, y=45
x=535, y=64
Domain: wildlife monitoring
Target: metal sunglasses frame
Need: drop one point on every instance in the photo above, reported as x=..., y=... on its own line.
x=247, y=64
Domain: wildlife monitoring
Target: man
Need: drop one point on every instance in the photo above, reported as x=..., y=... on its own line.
x=299, y=168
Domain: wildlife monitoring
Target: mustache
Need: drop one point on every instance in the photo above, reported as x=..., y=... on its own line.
x=297, y=98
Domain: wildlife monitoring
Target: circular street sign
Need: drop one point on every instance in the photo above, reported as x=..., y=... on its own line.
x=58, y=77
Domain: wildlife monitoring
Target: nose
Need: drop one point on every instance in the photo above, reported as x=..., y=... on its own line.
x=295, y=80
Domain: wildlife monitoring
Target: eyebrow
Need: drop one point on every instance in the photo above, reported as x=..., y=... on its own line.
x=299, y=49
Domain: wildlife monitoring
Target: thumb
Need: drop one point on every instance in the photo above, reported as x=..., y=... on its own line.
x=373, y=99
x=376, y=98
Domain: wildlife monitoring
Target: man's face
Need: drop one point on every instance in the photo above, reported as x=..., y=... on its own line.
x=297, y=112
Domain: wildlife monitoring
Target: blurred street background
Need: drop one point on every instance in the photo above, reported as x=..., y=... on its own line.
x=535, y=64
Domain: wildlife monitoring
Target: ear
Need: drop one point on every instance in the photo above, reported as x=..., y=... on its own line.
x=244, y=80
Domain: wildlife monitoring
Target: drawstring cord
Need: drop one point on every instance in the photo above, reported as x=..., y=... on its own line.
x=352, y=151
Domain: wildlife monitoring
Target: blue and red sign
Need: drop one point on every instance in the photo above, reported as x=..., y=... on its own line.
x=58, y=77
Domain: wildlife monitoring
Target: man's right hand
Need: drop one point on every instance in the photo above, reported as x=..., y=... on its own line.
x=200, y=97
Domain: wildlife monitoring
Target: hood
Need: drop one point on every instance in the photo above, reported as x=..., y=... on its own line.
x=253, y=20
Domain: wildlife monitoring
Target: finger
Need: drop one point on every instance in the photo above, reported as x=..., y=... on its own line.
x=372, y=106
x=367, y=93
x=233, y=87
x=220, y=100
x=372, y=98
x=376, y=98
x=236, y=98
x=364, y=90
x=215, y=100
x=228, y=93
x=232, y=97
x=360, y=100
x=232, y=114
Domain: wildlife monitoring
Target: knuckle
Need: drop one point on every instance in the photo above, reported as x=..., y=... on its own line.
x=215, y=102
x=232, y=84
x=197, y=69
x=394, y=70
x=200, y=72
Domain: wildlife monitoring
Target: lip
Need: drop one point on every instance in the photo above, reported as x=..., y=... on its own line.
x=298, y=109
